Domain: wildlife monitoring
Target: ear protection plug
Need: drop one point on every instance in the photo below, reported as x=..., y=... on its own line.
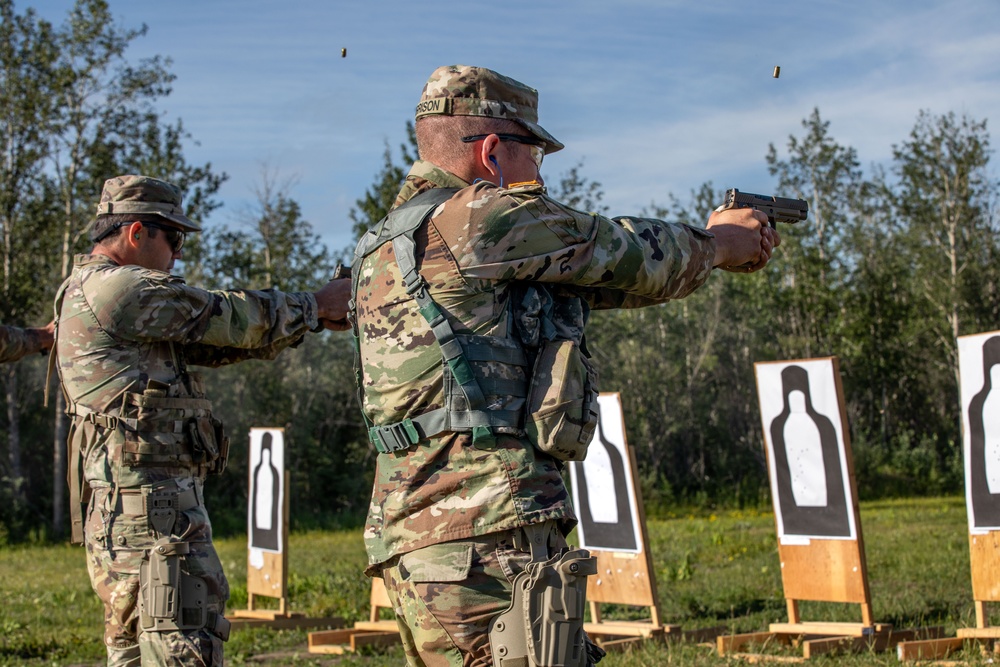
x=499, y=170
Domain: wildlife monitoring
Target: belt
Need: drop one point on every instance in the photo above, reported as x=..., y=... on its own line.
x=133, y=501
x=101, y=419
x=541, y=540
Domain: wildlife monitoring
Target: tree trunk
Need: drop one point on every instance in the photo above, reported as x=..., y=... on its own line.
x=59, y=465
x=14, y=434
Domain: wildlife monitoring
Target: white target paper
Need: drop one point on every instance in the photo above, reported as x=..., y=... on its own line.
x=265, y=518
x=979, y=370
x=806, y=455
x=604, y=488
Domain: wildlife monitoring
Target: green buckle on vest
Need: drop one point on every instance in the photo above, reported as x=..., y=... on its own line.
x=483, y=438
x=393, y=437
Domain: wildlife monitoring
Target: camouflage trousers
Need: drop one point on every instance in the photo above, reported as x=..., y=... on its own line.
x=116, y=543
x=446, y=595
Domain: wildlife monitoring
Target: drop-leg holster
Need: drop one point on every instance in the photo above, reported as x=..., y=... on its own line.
x=543, y=627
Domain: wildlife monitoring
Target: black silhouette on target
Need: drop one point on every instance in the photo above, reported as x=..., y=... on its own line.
x=833, y=519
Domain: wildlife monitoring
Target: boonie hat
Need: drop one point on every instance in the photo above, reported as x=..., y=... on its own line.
x=461, y=90
x=143, y=194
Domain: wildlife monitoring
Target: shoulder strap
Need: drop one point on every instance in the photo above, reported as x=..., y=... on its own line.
x=399, y=227
x=402, y=225
x=404, y=219
x=79, y=494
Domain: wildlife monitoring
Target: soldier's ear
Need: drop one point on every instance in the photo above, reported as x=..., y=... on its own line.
x=134, y=233
x=486, y=157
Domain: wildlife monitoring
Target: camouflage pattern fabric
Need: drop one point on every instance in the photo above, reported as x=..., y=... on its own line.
x=16, y=343
x=562, y=403
x=476, y=247
x=446, y=595
x=122, y=330
x=133, y=193
x=437, y=503
x=122, y=327
x=116, y=544
x=461, y=90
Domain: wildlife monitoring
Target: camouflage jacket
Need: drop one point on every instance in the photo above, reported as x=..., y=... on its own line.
x=15, y=343
x=121, y=329
x=472, y=251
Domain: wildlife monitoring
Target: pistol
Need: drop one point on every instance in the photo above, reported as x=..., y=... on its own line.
x=777, y=209
x=341, y=272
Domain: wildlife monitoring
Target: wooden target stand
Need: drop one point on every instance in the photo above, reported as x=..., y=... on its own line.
x=825, y=570
x=374, y=632
x=625, y=577
x=984, y=557
x=629, y=579
x=269, y=579
x=984, y=544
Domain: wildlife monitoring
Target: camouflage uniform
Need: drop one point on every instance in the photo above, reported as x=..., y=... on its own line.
x=16, y=343
x=443, y=526
x=125, y=338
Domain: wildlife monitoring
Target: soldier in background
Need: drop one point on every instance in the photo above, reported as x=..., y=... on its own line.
x=16, y=342
x=143, y=436
x=471, y=300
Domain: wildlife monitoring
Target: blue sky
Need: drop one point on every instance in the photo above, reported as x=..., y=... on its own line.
x=654, y=96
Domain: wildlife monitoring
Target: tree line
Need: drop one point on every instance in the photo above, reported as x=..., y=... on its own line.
x=893, y=263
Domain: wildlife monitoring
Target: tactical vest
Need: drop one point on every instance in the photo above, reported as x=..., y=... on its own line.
x=559, y=408
x=465, y=357
x=161, y=426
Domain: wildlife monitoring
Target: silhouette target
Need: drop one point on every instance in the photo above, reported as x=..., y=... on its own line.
x=265, y=527
x=618, y=536
x=985, y=504
x=808, y=520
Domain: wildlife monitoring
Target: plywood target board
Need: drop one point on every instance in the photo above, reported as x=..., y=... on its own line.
x=979, y=398
x=612, y=522
x=811, y=476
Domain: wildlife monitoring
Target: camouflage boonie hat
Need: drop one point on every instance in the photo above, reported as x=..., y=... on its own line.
x=142, y=194
x=460, y=90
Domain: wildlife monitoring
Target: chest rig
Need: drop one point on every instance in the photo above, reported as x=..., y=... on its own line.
x=159, y=426
x=469, y=388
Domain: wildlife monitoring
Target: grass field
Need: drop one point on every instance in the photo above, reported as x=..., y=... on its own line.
x=716, y=570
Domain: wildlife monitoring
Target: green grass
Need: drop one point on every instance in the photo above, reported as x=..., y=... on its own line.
x=716, y=570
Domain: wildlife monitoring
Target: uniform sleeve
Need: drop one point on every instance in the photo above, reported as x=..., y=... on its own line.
x=15, y=343
x=151, y=307
x=524, y=235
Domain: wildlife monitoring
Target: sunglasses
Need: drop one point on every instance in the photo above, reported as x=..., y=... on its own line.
x=175, y=237
x=536, y=146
